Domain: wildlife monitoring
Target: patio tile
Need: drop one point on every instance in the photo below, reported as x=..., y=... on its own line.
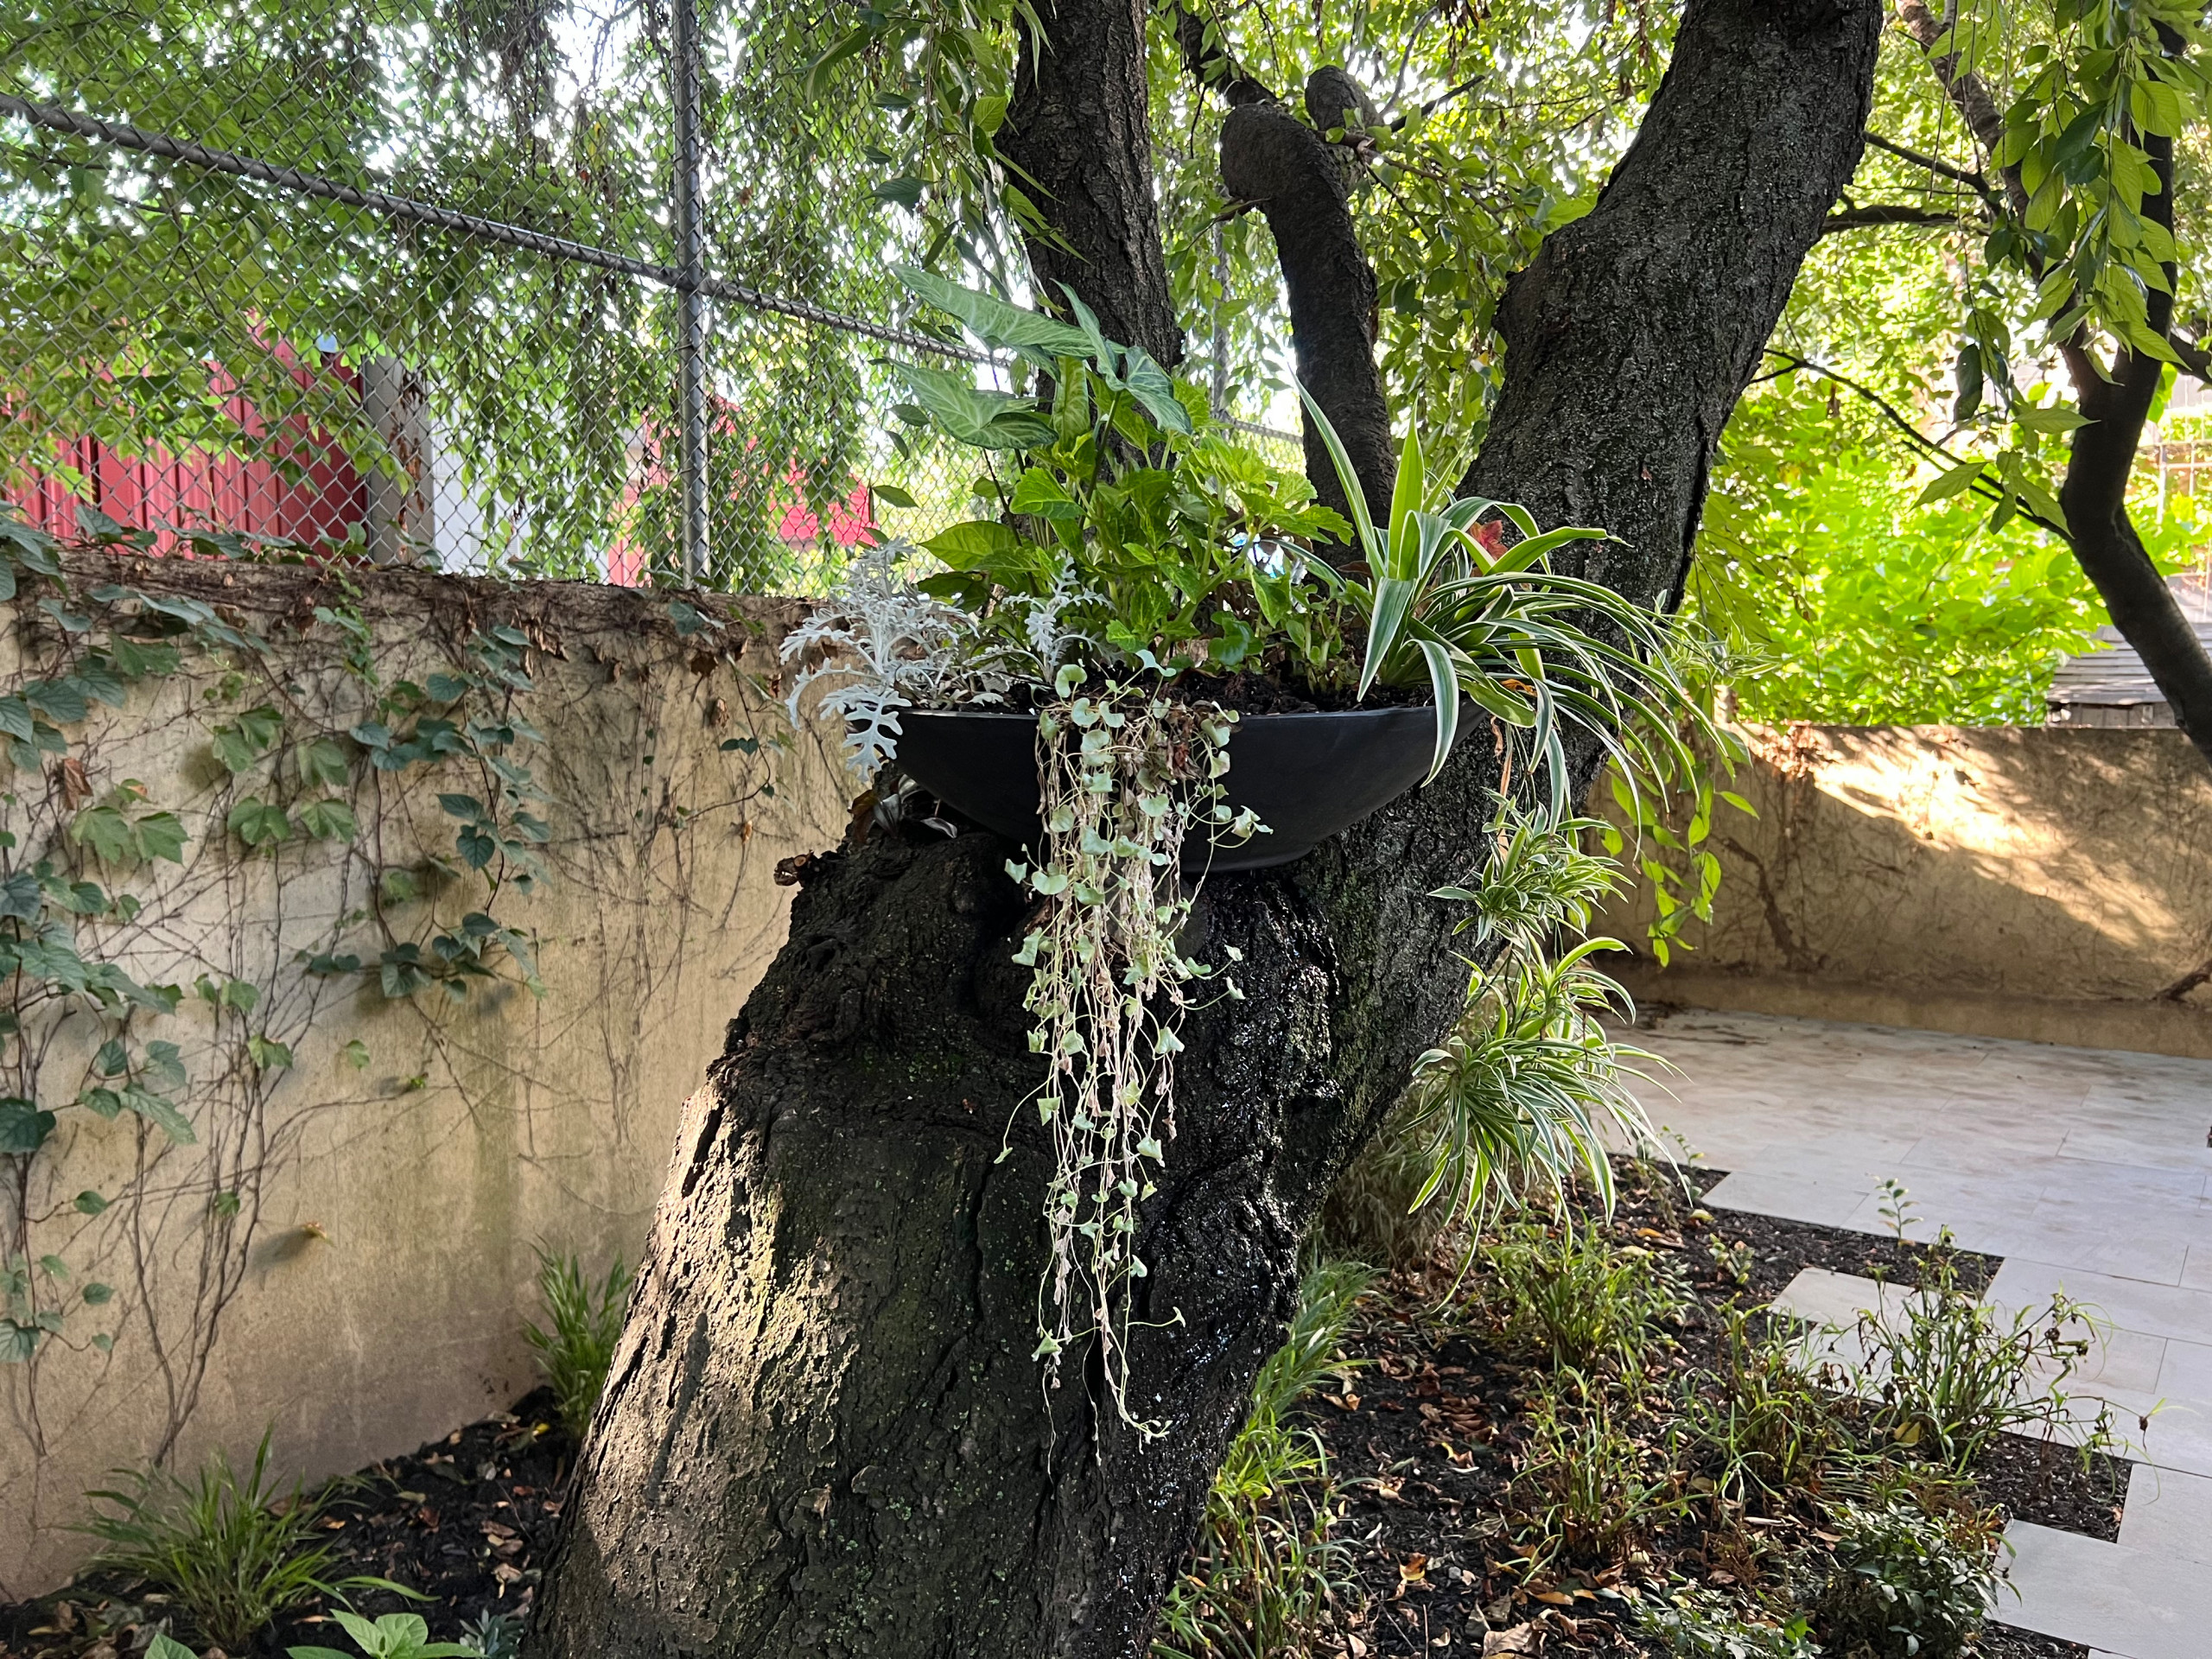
x=1794, y=1197
x=2134, y=1602
x=2168, y=1513
x=2131, y=1304
x=2186, y=1372
x=2197, y=1274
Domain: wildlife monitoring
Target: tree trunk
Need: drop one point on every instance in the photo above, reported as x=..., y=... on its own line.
x=823, y=1432
x=1078, y=137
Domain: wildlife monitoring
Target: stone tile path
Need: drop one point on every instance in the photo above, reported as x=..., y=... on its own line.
x=2089, y=1171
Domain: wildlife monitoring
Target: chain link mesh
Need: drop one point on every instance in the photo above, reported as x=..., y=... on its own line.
x=407, y=272
x=184, y=345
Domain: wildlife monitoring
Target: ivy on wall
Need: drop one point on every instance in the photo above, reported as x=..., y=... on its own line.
x=351, y=813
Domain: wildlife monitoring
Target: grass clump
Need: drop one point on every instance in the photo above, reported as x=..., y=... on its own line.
x=1575, y=1293
x=1266, y=1578
x=577, y=1343
x=233, y=1551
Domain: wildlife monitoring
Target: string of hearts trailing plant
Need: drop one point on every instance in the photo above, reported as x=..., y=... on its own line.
x=1126, y=778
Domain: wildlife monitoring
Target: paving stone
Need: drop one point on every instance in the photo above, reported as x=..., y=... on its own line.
x=2131, y=1304
x=2168, y=1513
x=2132, y=1602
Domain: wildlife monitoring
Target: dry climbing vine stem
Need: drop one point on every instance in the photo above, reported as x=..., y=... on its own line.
x=1125, y=777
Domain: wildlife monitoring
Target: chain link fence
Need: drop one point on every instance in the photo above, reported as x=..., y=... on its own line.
x=579, y=290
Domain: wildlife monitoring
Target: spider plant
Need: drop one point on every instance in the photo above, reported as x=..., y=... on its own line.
x=1449, y=604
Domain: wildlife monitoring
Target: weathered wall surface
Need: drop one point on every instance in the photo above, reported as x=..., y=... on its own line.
x=2052, y=884
x=342, y=1253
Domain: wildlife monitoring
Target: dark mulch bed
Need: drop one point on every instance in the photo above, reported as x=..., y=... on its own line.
x=465, y=1522
x=1420, y=1438
x=1423, y=1436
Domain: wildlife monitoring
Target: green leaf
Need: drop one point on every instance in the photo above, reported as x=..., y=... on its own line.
x=995, y=322
x=2048, y=420
x=89, y=1203
x=966, y=545
x=326, y=820
x=323, y=765
x=1151, y=386
x=1947, y=485
x=23, y=1126
x=167, y=1646
x=257, y=822
x=971, y=414
x=15, y=716
x=162, y=1112
x=97, y=1295
x=161, y=835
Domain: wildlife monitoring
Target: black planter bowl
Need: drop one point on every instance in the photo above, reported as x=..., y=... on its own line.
x=1307, y=776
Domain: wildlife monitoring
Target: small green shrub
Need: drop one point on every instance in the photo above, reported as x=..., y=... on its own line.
x=1588, y=1485
x=586, y=1322
x=1697, y=1623
x=1907, y=1585
x=495, y=1635
x=396, y=1636
x=233, y=1553
x=1575, y=1293
x=1267, y=1573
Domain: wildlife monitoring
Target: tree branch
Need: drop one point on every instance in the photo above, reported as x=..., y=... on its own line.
x=1210, y=65
x=1303, y=184
x=1920, y=440
x=1572, y=436
x=1970, y=177
x=1857, y=219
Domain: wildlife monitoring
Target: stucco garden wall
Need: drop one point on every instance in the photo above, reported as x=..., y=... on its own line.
x=2034, y=883
x=342, y=1253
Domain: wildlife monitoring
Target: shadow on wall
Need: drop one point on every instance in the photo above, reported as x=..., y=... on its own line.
x=2049, y=884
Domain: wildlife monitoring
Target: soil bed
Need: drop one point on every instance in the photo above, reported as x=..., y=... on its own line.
x=466, y=1521
x=1422, y=1441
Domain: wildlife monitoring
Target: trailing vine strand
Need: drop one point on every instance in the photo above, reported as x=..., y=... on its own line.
x=1126, y=779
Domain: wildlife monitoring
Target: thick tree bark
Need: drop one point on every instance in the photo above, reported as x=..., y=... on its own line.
x=1688, y=256
x=823, y=1433
x=1079, y=135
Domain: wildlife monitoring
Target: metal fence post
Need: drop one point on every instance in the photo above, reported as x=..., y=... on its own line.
x=690, y=318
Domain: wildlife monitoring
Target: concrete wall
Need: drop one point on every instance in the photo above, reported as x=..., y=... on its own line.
x=2036, y=883
x=344, y=1254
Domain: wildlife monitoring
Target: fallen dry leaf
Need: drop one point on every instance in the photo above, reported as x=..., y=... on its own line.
x=1522, y=1638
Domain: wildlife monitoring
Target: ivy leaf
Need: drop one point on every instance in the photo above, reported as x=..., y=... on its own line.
x=162, y=1112
x=23, y=1126
x=20, y=897
x=113, y=1060
x=257, y=824
x=16, y=717
x=165, y=1063
x=323, y=765
x=161, y=835
x=90, y=1203
x=267, y=1054
x=97, y=1295
x=104, y=830
x=327, y=821
x=60, y=701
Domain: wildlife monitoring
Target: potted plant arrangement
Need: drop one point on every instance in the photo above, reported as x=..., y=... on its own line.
x=1160, y=658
